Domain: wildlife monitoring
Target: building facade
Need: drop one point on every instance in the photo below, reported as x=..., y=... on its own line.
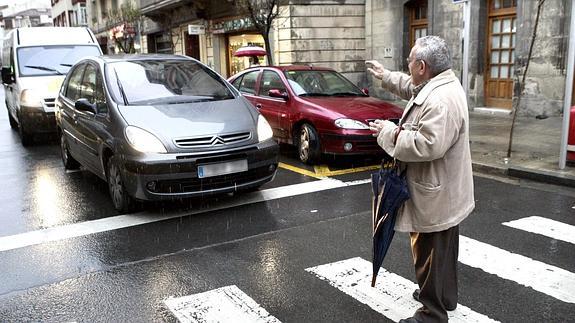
x=342, y=34
x=117, y=25
x=69, y=13
x=500, y=37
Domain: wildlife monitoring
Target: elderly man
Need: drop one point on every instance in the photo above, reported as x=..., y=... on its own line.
x=432, y=142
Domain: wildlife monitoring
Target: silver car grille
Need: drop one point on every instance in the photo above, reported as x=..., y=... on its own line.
x=212, y=141
x=49, y=104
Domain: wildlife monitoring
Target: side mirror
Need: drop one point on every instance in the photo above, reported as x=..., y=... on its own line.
x=275, y=93
x=7, y=76
x=85, y=105
x=365, y=91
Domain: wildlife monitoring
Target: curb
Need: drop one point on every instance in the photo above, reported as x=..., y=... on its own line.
x=525, y=173
x=489, y=169
x=541, y=176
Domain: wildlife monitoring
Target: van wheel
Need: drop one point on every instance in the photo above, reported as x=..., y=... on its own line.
x=67, y=159
x=122, y=201
x=308, y=144
x=13, y=123
x=25, y=136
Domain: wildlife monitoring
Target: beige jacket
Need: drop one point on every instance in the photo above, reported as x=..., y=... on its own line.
x=434, y=145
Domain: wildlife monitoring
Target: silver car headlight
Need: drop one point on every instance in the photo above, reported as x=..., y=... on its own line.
x=264, y=129
x=350, y=124
x=30, y=99
x=143, y=141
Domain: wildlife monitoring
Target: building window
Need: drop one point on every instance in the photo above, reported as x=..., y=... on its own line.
x=417, y=20
x=502, y=4
x=82, y=15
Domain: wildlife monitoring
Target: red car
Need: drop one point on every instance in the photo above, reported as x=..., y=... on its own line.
x=316, y=109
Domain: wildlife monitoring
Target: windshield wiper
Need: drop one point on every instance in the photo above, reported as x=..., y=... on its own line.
x=66, y=64
x=314, y=94
x=44, y=68
x=346, y=94
x=121, y=88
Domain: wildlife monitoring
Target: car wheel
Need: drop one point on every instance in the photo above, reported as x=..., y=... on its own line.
x=13, y=123
x=25, y=136
x=67, y=159
x=308, y=144
x=122, y=201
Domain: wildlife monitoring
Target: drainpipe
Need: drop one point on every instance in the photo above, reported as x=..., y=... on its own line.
x=466, y=41
x=568, y=90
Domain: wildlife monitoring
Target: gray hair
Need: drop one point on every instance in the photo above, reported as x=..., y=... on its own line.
x=434, y=51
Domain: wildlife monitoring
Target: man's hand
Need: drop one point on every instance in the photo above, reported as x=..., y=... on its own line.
x=377, y=125
x=375, y=68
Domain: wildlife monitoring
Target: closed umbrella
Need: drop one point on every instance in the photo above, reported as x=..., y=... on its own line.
x=390, y=191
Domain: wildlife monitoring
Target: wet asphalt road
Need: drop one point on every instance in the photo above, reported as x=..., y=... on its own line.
x=263, y=247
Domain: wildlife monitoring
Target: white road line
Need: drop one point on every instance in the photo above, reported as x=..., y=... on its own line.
x=226, y=304
x=129, y=220
x=543, y=226
x=391, y=295
x=547, y=279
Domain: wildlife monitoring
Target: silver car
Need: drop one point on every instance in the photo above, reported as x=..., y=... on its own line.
x=161, y=127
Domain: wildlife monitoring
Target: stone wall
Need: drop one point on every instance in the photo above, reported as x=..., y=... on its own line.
x=328, y=33
x=545, y=82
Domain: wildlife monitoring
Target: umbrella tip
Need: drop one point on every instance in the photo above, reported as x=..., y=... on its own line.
x=373, y=280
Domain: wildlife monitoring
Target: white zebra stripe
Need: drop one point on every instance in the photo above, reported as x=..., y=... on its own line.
x=546, y=227
x=226, y=304
x=391, y=295
x=544, y=278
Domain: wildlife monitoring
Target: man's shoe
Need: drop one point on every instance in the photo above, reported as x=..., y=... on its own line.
x=416, y=297
x=416, y=294
x=409, y=320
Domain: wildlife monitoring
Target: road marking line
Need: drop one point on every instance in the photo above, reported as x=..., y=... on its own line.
x=325, y=171
x=546, y=227
x=300, y=171
x=391, y=295
x=58, y=233
x=226, y=304
x=544, y=278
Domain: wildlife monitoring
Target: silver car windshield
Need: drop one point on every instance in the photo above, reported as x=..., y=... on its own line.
x=162, y=81
x=52, y=60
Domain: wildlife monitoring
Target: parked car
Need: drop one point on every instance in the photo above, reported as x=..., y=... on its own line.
x=316, y=109
x=34, y=63
x=161, y=127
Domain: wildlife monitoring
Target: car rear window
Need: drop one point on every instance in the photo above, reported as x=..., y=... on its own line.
x=165, y=81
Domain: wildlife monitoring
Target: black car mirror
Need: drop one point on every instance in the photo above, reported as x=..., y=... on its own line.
x=275, y=93
x=85, y=105
x=7, y=76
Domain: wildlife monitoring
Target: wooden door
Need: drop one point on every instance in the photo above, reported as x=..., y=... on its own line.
x=500, y=56
x=193, y=46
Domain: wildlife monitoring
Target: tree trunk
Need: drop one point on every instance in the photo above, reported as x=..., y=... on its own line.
x=522, y=84
x=268, y=48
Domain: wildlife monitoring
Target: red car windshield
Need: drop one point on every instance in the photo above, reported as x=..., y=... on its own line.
x=321, y=83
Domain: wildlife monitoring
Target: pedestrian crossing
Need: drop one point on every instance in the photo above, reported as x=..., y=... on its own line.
x=392, y=295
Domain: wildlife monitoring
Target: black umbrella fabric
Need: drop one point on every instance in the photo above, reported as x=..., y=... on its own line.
x=389, y=192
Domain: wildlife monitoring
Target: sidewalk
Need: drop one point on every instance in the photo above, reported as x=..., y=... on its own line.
x=535, y=150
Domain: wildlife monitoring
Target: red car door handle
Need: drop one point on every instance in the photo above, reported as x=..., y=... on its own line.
x=258, y=106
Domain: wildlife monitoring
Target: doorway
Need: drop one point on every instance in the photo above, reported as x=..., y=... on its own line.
x=500, y=53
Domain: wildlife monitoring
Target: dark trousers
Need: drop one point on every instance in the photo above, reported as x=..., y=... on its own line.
x=435, y=260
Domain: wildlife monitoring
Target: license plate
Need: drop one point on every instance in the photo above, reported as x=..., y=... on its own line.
x=217, y=169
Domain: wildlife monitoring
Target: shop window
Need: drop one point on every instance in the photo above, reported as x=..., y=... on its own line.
x=237, y=64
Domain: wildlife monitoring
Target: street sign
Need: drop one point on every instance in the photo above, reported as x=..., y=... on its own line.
x=196, y=29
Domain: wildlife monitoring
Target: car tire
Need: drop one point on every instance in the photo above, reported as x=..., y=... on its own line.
x=67, y=159
x=13, y=123
x=308, y=144
x=26, y=137
x=122, y=201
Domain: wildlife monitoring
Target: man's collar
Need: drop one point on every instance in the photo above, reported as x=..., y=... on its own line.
x=444, y=77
